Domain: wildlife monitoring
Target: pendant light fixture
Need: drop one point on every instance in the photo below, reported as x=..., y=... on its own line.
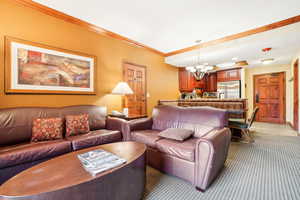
x=198, y=69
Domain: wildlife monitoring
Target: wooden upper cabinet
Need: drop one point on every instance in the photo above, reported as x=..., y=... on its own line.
x=234, y=75
x=211, y=81
x=186, y=80
x=221, y=76
x=229, y=75
x=200, y=84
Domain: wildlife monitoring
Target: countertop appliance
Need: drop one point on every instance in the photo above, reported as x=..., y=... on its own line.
x=229, y=89
x=210, y=95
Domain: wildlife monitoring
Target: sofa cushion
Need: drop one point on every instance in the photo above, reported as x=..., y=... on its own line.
x=179, y=134
x=47, y=129
x=184, y=150
x=97, y=114
x=16, y=123
x=208, y=116
x=77, y=124
x=164, y=117
x=148, y=137
x=94, y=138
x=29, y=152
x=200, y=130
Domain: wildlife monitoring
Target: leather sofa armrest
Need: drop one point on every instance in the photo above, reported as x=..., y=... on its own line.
x=134, y=125
x=211, y=154
x=114, y=123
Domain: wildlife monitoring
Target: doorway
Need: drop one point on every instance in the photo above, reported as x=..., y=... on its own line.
x=269, y=96
x=296, y=96
x=135, y=76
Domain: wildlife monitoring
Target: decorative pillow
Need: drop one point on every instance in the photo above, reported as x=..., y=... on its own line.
x=47, y=129
x=77, y=124
x=179, y=134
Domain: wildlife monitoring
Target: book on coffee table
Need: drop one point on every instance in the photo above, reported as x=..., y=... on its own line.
x=98, y=161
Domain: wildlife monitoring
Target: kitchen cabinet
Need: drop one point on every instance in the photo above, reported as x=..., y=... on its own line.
x=211, y=82
x=229, y=75
x=186, y=80
x=200, y=84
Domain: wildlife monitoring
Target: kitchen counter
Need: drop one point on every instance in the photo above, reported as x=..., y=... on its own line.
x=237, y=108
x=205, y=99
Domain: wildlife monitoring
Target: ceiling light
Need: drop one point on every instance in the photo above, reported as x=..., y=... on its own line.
x=199, y=66
x=241, y=63
x=209, y=68
x=267, y=49
x=234, y=58
x=199, y=71
x=189, y=68
x=267, y=61
x=224, y=65
x=193, y=70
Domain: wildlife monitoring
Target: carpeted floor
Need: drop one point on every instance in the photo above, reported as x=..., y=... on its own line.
x=269, y=169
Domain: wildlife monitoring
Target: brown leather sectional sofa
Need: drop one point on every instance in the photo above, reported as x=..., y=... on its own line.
x=198, y=159
x=18, y=153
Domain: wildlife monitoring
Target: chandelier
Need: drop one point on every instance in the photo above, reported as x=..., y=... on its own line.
x=199, y=71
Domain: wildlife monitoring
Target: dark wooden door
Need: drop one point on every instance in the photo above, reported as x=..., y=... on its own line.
x=296, y=96
x=269, y=96
x=135, y=76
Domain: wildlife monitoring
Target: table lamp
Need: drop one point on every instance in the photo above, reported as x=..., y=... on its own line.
x=122, y=88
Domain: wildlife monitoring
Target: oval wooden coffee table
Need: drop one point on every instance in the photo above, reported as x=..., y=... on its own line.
x=63, y=178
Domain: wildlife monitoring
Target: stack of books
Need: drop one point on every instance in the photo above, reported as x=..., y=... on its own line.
x=98, y=161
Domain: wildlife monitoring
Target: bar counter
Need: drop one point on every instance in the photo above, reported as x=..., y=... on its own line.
x=237, y=108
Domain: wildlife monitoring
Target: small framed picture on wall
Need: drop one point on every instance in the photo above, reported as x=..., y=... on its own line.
x=36, y=68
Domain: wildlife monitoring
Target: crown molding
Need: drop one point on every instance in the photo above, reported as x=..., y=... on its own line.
x=84, y=24
x=102, y=31
x=261, y=29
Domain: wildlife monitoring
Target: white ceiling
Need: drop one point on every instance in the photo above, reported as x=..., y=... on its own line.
x=285, y=43
x=168, y=25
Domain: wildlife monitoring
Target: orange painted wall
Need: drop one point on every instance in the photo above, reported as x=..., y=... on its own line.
x=25, y=23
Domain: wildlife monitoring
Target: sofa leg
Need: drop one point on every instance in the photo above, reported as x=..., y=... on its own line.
x=200, y=190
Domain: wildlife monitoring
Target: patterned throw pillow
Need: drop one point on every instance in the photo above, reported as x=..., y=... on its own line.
x=47, y=129
x=77, y=124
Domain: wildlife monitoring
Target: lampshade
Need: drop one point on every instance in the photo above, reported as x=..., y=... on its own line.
x=122, y=88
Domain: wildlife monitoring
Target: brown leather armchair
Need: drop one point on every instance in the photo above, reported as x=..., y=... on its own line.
x=198, y=159
x=18, y=153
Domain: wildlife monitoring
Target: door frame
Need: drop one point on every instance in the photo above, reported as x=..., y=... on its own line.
x=296, y=96
x=284, y=92
x=146, y=80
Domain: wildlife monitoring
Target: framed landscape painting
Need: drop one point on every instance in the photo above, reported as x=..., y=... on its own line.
x=36, y=68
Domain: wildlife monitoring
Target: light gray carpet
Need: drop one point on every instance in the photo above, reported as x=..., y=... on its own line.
x=269, y=169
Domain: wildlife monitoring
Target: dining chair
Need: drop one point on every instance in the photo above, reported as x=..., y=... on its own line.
x=244, y=127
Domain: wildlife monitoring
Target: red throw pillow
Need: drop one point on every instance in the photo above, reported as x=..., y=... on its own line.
x=77, y=124
x=47, y=129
